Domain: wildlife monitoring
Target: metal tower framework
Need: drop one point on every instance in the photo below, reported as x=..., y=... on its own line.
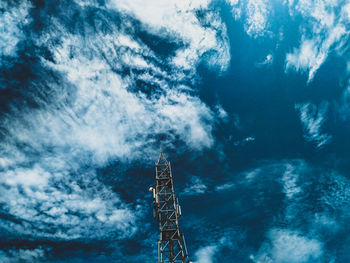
x=166, y=210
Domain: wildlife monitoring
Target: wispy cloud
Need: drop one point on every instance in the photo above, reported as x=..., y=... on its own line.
x=325, y=29
x=288, y=246
x=112, y=99
x=255, y=15
x=206, y=254
x=12, y=20
x=244, y=141
x=306, y=207
x=22, y=255
x=312, y=118
x=267, y=61
x=312, y=197
x=210, y=253
x=221, y=113
x=224, y=187
x=290, y=182
x=178, y=20
x=308, y=204
x=196, y=187
x=287, y=243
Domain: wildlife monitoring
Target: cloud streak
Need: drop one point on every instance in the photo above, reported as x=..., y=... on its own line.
x=196, y=187
x=312, y=119
x=325, y=30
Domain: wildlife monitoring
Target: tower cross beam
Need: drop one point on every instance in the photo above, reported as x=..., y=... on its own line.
x=167, y=211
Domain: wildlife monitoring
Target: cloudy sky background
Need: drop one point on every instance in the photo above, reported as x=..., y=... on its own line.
x=249, y=100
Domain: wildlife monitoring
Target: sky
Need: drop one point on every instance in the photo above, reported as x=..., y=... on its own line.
x=249, y=100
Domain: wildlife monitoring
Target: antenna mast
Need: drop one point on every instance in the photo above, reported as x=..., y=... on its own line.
x=166, y=210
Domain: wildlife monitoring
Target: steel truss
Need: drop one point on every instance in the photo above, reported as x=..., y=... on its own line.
x=167, y=211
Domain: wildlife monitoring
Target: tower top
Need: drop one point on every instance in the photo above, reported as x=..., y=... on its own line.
x=167, y=211
x=162, y=160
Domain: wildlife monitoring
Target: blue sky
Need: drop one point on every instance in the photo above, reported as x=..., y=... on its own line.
x=249, y=100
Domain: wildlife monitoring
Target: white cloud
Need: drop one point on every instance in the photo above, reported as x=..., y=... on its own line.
x=221, y=113
x=244, y=141
x=286, y=246
x=290, y=182
x=11, y=22
x=325, y=220
x=109, y=104
x=312, y=119
x=255, y=14
x=77, y=207
x=178, y=21
x=22, y=255
x=97, y=114
x=304, y=188
x=252, y=174
x=206, y=254
x=267, y=61
x=257, y=17
x=227, y=239
x=236, y=8
x=324, y=29
x=196, y=187
x=307, y=57
x=300, y=189
x=21, y=176
x=224, y=187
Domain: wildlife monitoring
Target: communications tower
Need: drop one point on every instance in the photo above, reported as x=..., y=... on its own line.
x=166, y=210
